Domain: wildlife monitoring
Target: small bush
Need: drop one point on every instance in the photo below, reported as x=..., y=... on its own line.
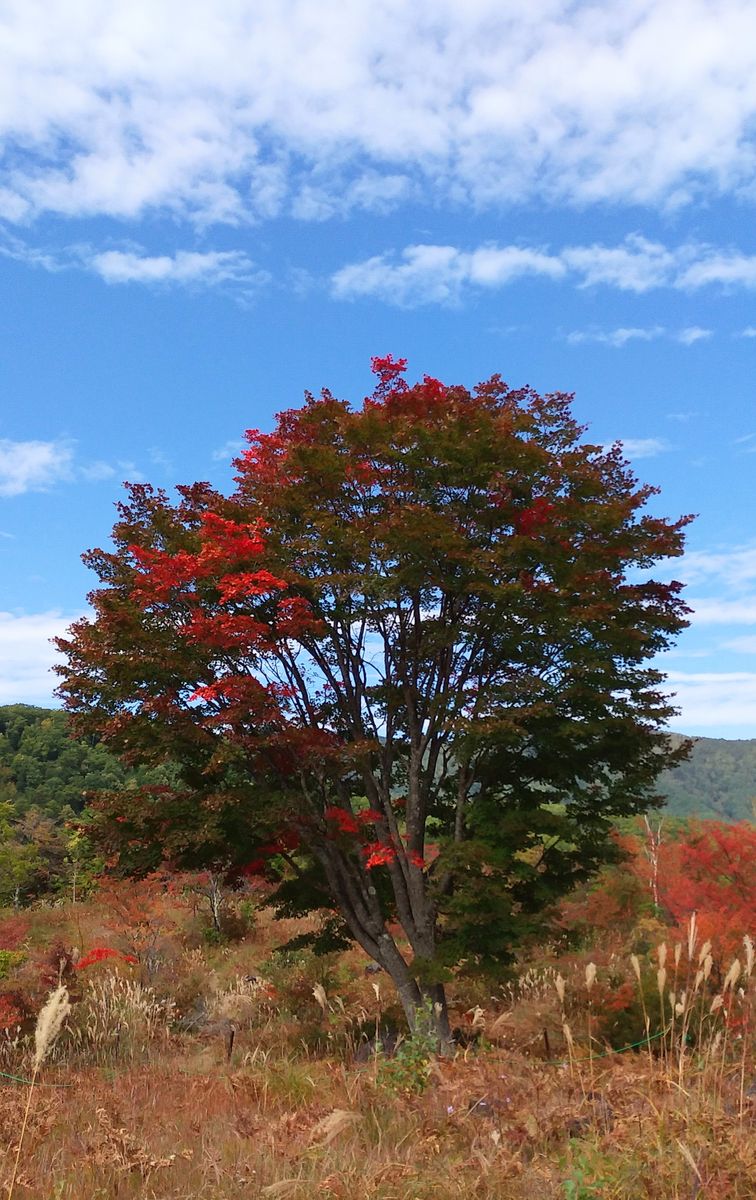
x=9, y=960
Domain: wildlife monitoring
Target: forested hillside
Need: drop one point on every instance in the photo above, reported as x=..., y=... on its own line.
x=43, y=767
x=718, y=781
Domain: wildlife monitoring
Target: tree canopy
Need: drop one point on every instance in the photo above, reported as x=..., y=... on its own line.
x=410, y=652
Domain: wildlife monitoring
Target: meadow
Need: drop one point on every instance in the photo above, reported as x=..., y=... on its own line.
x=614, y=1060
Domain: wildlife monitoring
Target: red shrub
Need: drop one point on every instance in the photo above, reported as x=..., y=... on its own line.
x=13, y=931
x=13, y=1010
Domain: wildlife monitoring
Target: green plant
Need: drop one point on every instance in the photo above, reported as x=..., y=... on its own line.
x=583, y=1182
x=409, y=1069
x=9, y=960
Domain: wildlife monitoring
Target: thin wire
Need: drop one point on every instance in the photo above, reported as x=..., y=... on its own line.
x=37, y=1082
x=562, y=1062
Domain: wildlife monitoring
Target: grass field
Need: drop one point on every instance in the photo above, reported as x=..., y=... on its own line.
x=217, y=1070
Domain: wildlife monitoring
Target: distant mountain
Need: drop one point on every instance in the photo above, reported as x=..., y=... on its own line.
x=718, y=780
x=41, y=765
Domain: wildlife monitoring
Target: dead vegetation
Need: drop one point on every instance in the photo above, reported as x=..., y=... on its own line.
x=233, y=1071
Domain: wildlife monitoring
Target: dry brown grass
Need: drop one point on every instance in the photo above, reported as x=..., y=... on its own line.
x=290, y=1115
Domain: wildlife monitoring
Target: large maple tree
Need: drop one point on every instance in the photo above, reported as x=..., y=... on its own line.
x=410, y=653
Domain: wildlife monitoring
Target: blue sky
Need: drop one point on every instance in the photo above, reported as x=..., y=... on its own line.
x=205, y=210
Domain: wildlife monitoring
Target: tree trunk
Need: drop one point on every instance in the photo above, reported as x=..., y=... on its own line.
x=422, y=1004
x=436, y=994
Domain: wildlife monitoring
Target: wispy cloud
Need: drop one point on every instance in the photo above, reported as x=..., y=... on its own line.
x=734, y=566
x=27, y=656
x=133, y=265
x=183, y=268
x=438, y=274
x=741, y=645
x=230, y=449
x=693, y=334
x=243, y=111
x=712, y=700
x=38, y=466
x=33, y=466
x=643, y=447
x=717, y=610
x=96, y=472
x=616, y=338
x=428, y=274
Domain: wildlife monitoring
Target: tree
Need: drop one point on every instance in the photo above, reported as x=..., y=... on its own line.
x=409, y=653
x=19, y=860
x=710, y=869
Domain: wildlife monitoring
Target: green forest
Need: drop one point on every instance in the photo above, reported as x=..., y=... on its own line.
x=44, y=768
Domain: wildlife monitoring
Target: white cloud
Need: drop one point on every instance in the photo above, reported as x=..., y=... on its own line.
x=748, y=332
x=27, y=656
x=712, y=700
x=693, y=334
x=96, y=472
x=246, y=109
x=643, y=447
x=427, y=273
x=742, y=645
x=132, y=264
x=437, y=274
x=615, y=337
x=635, y=266
x=37, y=466
x=726, y=269
x=230, y=449
x=716, y=610
x=733, y=566
x=33, y=466
x=184, y=267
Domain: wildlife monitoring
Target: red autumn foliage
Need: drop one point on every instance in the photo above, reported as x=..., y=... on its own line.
x=14, y=930
x=13, y=1010
x=711, y=870
x=704, y=867
x=102, y=954
x=344, y=821
x=378, y=854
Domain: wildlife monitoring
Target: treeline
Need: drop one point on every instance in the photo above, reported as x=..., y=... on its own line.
x=45, y=775
x=44, y=770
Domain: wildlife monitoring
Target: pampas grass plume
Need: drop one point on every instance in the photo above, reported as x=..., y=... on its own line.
x=49, y=1024
x=748, y=943
x=731, y=978
x=559, y=985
